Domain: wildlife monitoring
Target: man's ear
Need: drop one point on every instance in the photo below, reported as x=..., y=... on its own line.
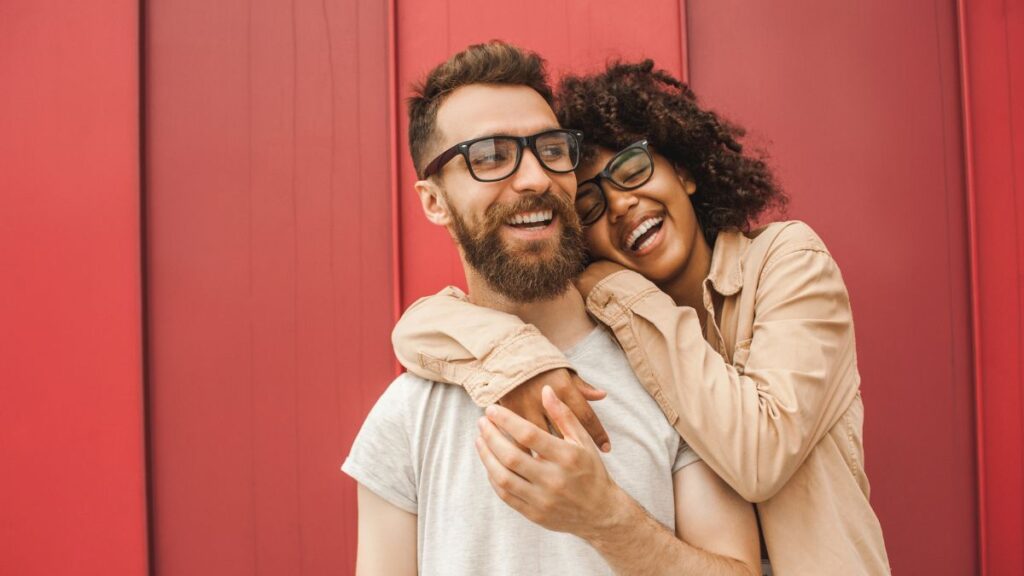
x=435, y=205
x=689, y=185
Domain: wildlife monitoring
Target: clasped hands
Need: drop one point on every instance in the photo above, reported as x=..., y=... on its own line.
x=563, y=484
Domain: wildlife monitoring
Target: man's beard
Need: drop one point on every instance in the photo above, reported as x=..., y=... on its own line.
x=522, y=274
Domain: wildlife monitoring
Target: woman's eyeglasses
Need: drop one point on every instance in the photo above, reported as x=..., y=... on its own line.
x=630, y=169
x=494, y=158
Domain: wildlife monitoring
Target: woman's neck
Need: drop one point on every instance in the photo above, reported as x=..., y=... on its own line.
x=687, y=287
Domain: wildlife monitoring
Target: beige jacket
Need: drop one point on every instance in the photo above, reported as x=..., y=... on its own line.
x=768, y=396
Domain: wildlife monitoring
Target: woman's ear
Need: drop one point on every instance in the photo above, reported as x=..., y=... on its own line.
x=689, y=185
x=435, y=205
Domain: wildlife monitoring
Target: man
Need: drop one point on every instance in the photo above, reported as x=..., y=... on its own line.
x=446, y=491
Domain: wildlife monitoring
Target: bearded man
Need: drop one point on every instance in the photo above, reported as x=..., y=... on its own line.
x=446, y=488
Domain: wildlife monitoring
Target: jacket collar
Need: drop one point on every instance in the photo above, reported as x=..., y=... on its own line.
x=726, y=273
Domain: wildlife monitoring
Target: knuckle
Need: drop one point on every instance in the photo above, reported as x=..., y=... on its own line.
x=503, y=481
x=515, y=459
x=574, y=458
x=530, y=436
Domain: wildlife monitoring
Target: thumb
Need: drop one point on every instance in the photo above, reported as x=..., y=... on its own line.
x=562, y=417
x=589, y=392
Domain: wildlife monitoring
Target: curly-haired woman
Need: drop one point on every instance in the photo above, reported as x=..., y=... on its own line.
x=743, y=336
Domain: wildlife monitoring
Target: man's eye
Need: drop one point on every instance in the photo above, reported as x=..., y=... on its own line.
x=485, y=159
x=552, y=152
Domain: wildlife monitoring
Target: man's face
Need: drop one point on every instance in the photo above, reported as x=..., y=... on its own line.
x=521, y=234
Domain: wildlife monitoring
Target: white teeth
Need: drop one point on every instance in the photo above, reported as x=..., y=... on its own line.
x=531, y=217
x=643, y=227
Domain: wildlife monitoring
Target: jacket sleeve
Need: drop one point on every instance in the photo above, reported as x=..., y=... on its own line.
x=756, y=420
x=445, y=338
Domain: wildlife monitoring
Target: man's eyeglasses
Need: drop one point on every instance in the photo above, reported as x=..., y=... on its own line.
x=494, y=158
x=630, y=169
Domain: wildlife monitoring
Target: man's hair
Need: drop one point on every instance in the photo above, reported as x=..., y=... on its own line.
x=495, y=62
x=632, y=101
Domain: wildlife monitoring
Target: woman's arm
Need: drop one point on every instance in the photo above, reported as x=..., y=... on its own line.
x=494, y=356
x=445, y=338
x=756, y=422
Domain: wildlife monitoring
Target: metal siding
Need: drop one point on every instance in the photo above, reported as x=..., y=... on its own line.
x=269, y=221
x=992, y=75
x=72, y=492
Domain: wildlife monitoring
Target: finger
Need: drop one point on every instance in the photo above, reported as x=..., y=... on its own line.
x=563, y=417
x=522, y=431
x=586, y=416
x=508, y=453
x=506, y=484
x=535, y=417
x=588, y=391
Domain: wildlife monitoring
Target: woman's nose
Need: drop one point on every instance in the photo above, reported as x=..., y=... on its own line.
x=619, y=201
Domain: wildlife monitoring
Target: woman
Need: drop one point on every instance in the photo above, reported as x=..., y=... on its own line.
x=745, y=338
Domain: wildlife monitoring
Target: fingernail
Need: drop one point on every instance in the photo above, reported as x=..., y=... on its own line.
x=606, y=447
x=491, y=410
x=480, y=424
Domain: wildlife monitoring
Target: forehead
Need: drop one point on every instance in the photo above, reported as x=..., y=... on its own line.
x=487, y=109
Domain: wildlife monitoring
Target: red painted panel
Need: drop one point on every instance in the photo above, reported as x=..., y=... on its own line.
x=858, y=103
x=992, y=45
x=269, y=262
x=577, y=35
x=72, y=491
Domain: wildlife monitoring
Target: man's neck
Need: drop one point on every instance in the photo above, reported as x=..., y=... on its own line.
x=562, y=319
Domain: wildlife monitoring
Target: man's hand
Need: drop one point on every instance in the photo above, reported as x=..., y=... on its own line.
x=565, y=487
x=525, y=400
x=594, y=273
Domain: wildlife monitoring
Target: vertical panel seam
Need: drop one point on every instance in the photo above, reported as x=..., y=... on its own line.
x=144, y=320
x=972, y=240
x=393, y=115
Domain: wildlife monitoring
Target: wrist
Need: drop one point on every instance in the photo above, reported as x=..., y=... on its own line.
x=617, y=516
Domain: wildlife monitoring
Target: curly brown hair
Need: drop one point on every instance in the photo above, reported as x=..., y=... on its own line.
x=632, y=101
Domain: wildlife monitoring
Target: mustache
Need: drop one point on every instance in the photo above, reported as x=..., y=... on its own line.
x=497, y=214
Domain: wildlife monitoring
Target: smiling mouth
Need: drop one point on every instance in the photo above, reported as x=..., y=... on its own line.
x=531, y=220
x=643, y=235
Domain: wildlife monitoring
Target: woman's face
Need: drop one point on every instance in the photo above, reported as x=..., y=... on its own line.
x=651, y=229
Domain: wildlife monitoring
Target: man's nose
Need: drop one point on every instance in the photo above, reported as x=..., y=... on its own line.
x=531, y=175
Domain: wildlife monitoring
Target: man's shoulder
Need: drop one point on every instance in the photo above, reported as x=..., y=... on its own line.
x=407, y=387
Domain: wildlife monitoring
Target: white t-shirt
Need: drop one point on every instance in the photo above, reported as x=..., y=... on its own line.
x=416, y=451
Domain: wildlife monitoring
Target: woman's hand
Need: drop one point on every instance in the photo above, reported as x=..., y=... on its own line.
x=595, y=273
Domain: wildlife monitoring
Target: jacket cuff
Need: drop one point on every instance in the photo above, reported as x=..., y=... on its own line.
x=613, y=296
x=523, y=355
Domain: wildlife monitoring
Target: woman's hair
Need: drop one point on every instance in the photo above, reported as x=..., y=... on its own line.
x=632, y=101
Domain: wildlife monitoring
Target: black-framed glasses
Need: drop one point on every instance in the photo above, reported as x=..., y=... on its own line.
x=630, y=169
x=494, y=158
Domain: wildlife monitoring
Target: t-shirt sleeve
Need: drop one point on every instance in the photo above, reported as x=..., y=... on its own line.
x=684, y=457
x=382, y=456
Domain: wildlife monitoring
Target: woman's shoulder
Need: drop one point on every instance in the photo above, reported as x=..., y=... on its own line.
x=784, y=237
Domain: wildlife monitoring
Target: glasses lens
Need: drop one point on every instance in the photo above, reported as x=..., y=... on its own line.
x=558, y=150
x=631, y=168
x=493, y=158
x=590, y=203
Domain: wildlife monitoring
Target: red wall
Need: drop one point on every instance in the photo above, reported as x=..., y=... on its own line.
x=276, y=167
x=992, y=75
x=72, y=491
x=858, y=104
x=269, y=259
